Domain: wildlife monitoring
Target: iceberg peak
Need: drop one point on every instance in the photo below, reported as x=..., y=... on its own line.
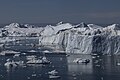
x=94, y=26
x=59, y=23
x=82, y=25
x=17, y=25
x=114, y=27
x=13, y=25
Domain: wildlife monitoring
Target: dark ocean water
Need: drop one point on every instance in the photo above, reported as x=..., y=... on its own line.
x=101, y=67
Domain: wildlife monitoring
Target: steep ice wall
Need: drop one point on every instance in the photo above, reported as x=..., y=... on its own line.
x=86, y=39
x=79, y=44
x=53, y=30
x=106, y=44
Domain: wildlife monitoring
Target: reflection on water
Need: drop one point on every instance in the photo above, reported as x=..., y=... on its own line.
x=34, y=71
x=77, y=71
x=101, y=67
x=74, y=67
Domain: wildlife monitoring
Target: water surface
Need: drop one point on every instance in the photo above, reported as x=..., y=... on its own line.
x=101, y=67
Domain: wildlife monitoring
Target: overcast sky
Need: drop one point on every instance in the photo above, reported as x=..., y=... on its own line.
x=52, y=11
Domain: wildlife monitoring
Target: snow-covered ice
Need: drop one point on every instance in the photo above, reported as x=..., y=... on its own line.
x=9, y=52
x=44, y=60
x=81, y=38
x=12, y=63
x=53, y=72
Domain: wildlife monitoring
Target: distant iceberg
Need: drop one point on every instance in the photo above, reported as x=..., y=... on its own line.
x=16, y=29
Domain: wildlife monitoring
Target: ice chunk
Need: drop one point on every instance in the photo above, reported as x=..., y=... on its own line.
x=44, y=60
x=53, y=72
x=12, y=63
x=80, y=60
x=9, y=53
x=53, y=76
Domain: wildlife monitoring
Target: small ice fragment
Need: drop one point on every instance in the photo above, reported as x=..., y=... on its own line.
x=53, y=76
x=53, y=72
x=34, y=75
x=46, y=51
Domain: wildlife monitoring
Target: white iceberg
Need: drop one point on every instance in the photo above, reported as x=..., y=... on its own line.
x=31, y=57
x=12, y=63
x=53, y=72
x=82, y=38
x=80, y=60
x=54, y=76
x=44, y=60
x=9, y=53
x=32, y=51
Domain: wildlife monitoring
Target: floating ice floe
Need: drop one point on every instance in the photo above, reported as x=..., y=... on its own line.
x=53, y=72
x=34, y=75
x=23, y=53
x=76, y=60
x=46, y=51
x=44, y=60
x=16, y=55
x=12, y=63
x=118, y=64
x=53, y=76
x=97, y=65
x=96, y=61
x=31, y=57
x=67, y=55
x=94, y=54
x=1, y=45
x=80, y=60
x=93, y=57
x=32, y=51
x=9, y=53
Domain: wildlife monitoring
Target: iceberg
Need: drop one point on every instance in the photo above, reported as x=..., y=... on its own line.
x=54, y=76
x=12, y=63
x=53, y=72
x=80, y=60
x=9, y=53
x=44, y=60
x=81, y=38
x=16, y=29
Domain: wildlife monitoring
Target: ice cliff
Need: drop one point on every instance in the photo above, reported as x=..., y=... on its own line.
x=82, y=38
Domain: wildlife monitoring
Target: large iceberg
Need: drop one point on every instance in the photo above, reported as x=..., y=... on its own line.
x=82, y=38
x=15, y=29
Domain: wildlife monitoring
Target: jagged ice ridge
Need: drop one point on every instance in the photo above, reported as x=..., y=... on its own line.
x=82, y=38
